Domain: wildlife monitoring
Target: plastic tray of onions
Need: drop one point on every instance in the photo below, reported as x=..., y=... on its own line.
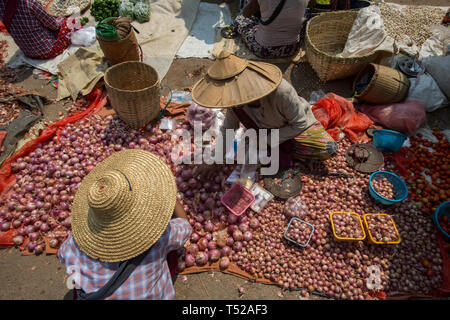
x=347, y=226
x=381, y=229
x=237, y=199
x=299, y=232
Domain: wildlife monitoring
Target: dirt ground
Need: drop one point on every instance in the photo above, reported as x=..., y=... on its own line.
x=43, y=277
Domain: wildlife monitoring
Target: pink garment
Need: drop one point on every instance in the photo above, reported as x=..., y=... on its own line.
x=285, y=29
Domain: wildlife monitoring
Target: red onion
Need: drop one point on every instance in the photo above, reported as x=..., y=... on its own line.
x=29, y=229
x=202, y=244
x=212, y=245
x=214, y=255
x=16, y=224
x=195, y=237
x=254, y=223
x=237, y=246
x=201, y=258
x=210, y=203
x=247, y=235
x=226, y=251
x=44, y=227
x=193, y=248
x=237, y=235
x=33, y=236
x=18, y=240
x=53, y=243
x=31, y=246
x=186, y=174
x=232, y=219
x=224, y=263
x=209, y=226
x=39, y=249
x=181, y=266
x=243, y=227
x=192, y=183
x=5, y=226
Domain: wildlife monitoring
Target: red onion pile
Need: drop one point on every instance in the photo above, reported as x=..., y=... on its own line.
x=205, y=116
x=383, y=187
x=299, y=231
x=48, y=178
x=347, y=225
x=381, y=228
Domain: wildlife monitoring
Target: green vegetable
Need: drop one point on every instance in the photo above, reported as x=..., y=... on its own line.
x=142, y=12
x=102, y=9
x=126, y=9
x=84, y=20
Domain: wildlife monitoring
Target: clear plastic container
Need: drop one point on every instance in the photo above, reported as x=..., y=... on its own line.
x=262, y=197
x=294, y=207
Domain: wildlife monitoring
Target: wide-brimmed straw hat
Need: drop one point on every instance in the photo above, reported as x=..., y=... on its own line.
x=232, y=81
x=123, y=206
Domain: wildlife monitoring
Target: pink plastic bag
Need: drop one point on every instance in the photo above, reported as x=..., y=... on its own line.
x=406, y=117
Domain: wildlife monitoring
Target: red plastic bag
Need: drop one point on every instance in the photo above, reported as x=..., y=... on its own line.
x=337, y=114
x=3, y=28
x=6, y=238
x=406, y=117
x=2, y=136
x=7, y=178
x=403, y=159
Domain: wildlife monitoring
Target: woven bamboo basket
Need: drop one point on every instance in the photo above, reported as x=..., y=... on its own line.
x=326, y=36
x=133, y=90
x=126, y=49
x=386, y=86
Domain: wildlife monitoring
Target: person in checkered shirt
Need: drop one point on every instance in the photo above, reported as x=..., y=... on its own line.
x=125, y=222
x=36, y=33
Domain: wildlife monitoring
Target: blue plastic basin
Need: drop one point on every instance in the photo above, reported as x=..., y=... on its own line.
x=388, y=140
x=401, y=190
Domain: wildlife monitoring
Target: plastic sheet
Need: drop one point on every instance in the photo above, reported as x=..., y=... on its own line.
x=141, y=12
x=126, y=9
x=406, y=117
x=337, y=114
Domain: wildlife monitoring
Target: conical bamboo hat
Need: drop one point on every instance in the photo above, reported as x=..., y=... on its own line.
x=232, y=81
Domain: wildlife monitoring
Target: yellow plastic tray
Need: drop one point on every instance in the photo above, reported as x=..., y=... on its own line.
x=343, y=238
x=370, y=239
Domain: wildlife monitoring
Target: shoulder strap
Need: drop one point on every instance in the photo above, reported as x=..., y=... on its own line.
x=10, y=11
x=126, y=268
x=275, y=13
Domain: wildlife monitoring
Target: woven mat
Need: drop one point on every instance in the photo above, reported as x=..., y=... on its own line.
x=232, y=269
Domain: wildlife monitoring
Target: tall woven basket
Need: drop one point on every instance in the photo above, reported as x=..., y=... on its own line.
x=133, y=90
x=387, y=85
x=326, y=36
